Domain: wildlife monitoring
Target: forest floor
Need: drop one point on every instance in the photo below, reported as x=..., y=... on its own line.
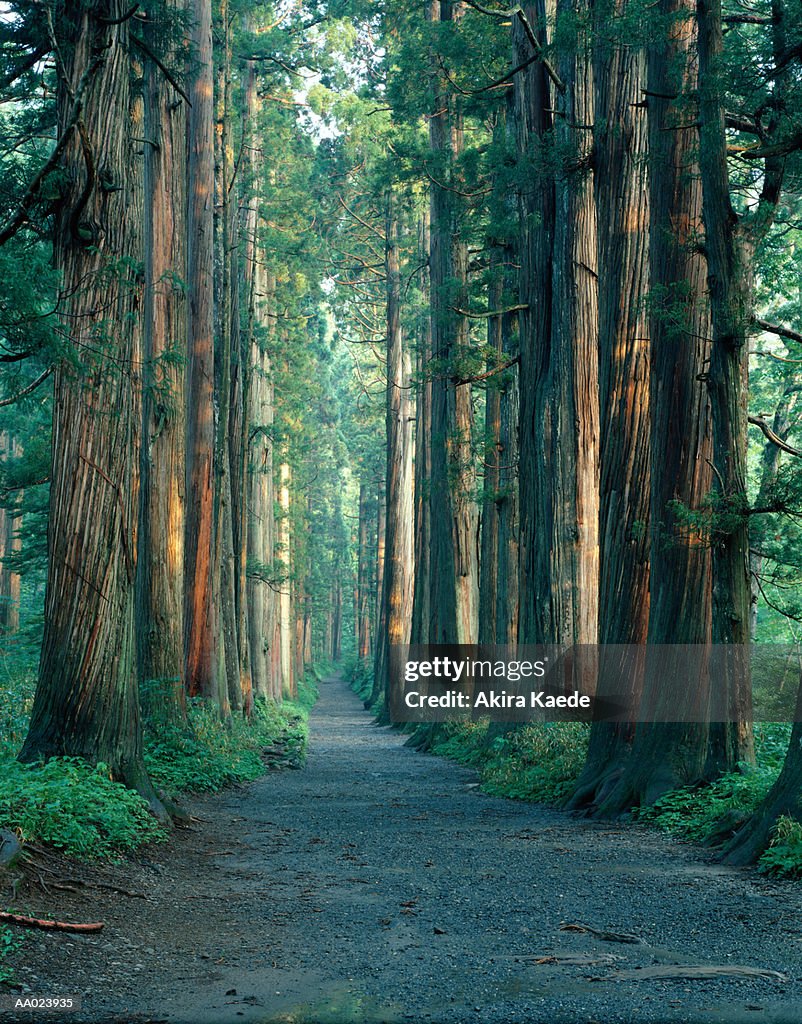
x=379, y=885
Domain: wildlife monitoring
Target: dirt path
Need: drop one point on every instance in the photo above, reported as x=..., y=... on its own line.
x=379, y=885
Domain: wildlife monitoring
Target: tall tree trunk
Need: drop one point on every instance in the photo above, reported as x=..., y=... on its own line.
x=559, y=379
x=10, y=543
x=622, y=203
x=454, y=597
x=769, y=473
x=381, y=540
x=225, y=568
x=489, y=567
x=160, y=570
x=87, y=701
x=730, y=244
x=261, y=544
x=239, y=419
x=507, y=595
x=201, y=631
x=667, y=754
x=421, y=608
x=286, y=624
x=396, y=597
x=364, y=560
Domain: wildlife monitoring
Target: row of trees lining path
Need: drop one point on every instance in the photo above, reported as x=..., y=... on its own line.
x=427, y=899
x=375, y=323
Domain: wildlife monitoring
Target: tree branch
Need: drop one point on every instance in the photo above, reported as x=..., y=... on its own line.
x=490, y=373
x=493, y=312
x=774, y=438
x=781, y=332
x=20, y=215
x=517, y=12
x=27, y=391
x=143, y=46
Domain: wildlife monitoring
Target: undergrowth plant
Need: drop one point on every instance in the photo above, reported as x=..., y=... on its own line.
x=9, y=943
x=210, y=753
x=74, y=807
x=538, y=761
x=78, y=809
x=783, y=858
x=712, y=813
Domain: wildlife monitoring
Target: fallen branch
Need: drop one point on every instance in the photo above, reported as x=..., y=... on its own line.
x=48, y=926
x=693, y=973
x=600, y=934
x=573, y=959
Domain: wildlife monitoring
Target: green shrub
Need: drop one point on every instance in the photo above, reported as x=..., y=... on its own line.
x=783, y=858
x=78, y=809
x=212, y=753
x=308, y=689
x=16, y=701
x=695, y=813
x=361, y=678
x=463, y=742
x=75, y=807
x=540, y=761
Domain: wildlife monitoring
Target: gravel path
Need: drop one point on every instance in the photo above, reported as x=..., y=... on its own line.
x=379, y=885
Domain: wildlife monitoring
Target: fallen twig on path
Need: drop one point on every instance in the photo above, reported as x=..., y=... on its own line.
x=606, y=936
x=700, y=973
x=572, y=959
x=48, y=926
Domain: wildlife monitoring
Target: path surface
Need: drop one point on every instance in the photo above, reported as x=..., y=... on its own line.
x=379, y=884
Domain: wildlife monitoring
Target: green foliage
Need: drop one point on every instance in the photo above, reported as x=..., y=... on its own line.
x=541, y=761
x=361, y=676
x=213, y=753
x=78, y=809
x=75, y=807
x=16, y=701
x=9, y=943
x=464, y=742
x=694, y=813
x=702, y=814
x=308, y=690
x=783, y=858
x=538, y=762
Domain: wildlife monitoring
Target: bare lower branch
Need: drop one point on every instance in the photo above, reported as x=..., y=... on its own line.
x=143, y=46
x=493, y=312
x=774, y=438
x=517, y=12
x=490, y=373
x=779, y=330
x=30, y=388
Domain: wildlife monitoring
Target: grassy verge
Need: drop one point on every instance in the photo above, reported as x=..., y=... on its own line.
x=541, y=763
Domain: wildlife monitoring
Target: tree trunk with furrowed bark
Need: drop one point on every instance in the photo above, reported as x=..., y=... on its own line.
x=160, y=575
x=622, y=204
x=87, y=700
